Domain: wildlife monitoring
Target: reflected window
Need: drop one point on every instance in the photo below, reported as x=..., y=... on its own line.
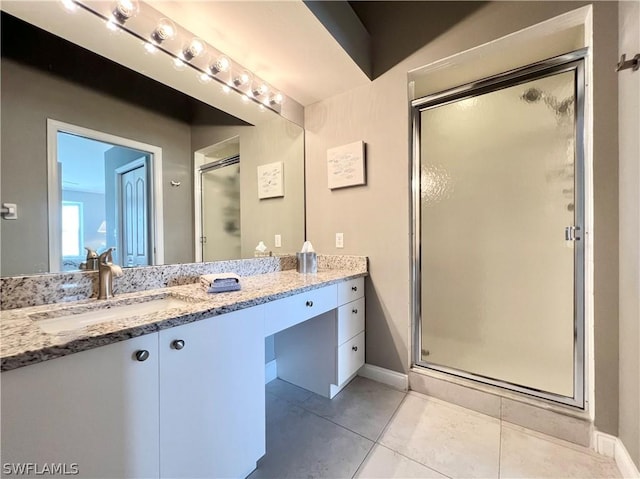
x=71, y=229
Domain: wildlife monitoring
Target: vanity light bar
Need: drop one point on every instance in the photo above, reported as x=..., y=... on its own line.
x=159, y=33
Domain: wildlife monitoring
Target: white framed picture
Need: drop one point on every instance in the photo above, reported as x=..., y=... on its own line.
x=271, y=180
x=345, y=165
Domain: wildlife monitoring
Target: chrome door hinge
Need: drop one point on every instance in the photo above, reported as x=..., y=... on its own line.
x=571, y=233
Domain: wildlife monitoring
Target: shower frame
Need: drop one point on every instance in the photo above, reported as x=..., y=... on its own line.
x=573, y=61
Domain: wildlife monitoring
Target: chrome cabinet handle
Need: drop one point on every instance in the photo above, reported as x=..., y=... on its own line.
x=354, y=288
x=354, y=311
x=142, y=355
x=354, y=348
x=309, y=304
x=177, y=344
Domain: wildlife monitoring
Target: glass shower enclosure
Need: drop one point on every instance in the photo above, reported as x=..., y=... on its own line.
x=498, y=230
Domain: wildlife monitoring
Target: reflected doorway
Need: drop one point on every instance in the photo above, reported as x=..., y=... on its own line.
x=218, y=195
x=132, y=208
x=102, y=194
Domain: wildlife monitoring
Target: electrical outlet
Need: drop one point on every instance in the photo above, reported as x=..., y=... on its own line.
x=278, y=241
x=339, y=240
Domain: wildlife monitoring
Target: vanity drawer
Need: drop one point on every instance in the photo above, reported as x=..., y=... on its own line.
x=350, y=320
x=350, y=290
x=350, y=357
x=295, y=309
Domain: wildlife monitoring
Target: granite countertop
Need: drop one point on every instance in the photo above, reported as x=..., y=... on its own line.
x=23, y=342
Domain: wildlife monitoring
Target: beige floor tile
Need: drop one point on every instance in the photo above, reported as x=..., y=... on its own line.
x=383, y=463
x=527, y=455
x=449, y=439
x=301, y=445
x=364, y=406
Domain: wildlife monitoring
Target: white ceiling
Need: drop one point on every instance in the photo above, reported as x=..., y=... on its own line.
x=280, y=41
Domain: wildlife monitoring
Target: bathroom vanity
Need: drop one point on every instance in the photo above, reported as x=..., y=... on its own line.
x=178, y=392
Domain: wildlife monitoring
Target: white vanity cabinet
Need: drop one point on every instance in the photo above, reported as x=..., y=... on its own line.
x=323, y=354
x=185, y=402
x=97, y=409
x=212, y=409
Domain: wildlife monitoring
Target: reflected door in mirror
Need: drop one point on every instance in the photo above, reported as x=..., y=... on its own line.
x=221, y=210
x=133, y=207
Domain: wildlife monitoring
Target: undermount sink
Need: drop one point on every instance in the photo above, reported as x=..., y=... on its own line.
x=82, y=316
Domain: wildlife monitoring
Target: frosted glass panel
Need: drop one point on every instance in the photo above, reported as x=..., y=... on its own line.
x=497, y=276
x=221, y=213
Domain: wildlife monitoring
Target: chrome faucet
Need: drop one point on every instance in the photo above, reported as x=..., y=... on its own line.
x=106, y=271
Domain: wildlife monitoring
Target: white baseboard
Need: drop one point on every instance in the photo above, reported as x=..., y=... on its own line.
x=612, y=446
x=385, y=376
x=270, y=371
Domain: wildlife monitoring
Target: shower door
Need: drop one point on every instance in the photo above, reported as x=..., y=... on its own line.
x=499, y=230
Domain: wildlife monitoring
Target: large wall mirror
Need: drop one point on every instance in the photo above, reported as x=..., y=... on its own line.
x=127, y=147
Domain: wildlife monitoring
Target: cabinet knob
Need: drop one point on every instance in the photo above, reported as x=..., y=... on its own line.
x=142, y=355
x=354, y=348
x=309, y=303
x=354, y=288
x=177, y=344
x=354, y=311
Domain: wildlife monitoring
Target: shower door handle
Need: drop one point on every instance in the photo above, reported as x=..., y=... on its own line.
x=571, y=233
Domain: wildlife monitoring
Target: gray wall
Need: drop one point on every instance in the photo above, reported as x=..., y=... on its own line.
x=29, y=97
x=629, y=114
x=375, y=218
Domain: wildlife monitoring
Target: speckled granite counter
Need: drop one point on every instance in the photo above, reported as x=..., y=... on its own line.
x=24, y=343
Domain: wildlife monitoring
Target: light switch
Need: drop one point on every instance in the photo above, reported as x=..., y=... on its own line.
x=339, y=240
x=278, y=241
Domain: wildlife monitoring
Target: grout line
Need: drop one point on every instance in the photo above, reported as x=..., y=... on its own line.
x=384, y=429
x=363, y=460
x=414, y=460
x=301, y=406
x=500, y=444
x=374, y=440
x=395, y=413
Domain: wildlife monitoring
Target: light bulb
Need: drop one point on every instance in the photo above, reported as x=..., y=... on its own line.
x=69, y=5
x=261, y=107
x=241, y=79
x=124, y=10
x=164, y=31
x=259, y=89
x=226, y=89
x=222, y=64
x=195, y=48
x=245, y=98
x=276, y=99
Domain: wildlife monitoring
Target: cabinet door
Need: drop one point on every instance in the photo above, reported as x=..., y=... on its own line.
x=212, y=410
x=96, y=409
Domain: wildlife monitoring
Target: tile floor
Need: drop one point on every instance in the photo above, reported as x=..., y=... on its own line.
x=372, y=431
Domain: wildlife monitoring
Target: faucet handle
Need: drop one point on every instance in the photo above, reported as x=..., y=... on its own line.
x=116, y=270
x=106, y=256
